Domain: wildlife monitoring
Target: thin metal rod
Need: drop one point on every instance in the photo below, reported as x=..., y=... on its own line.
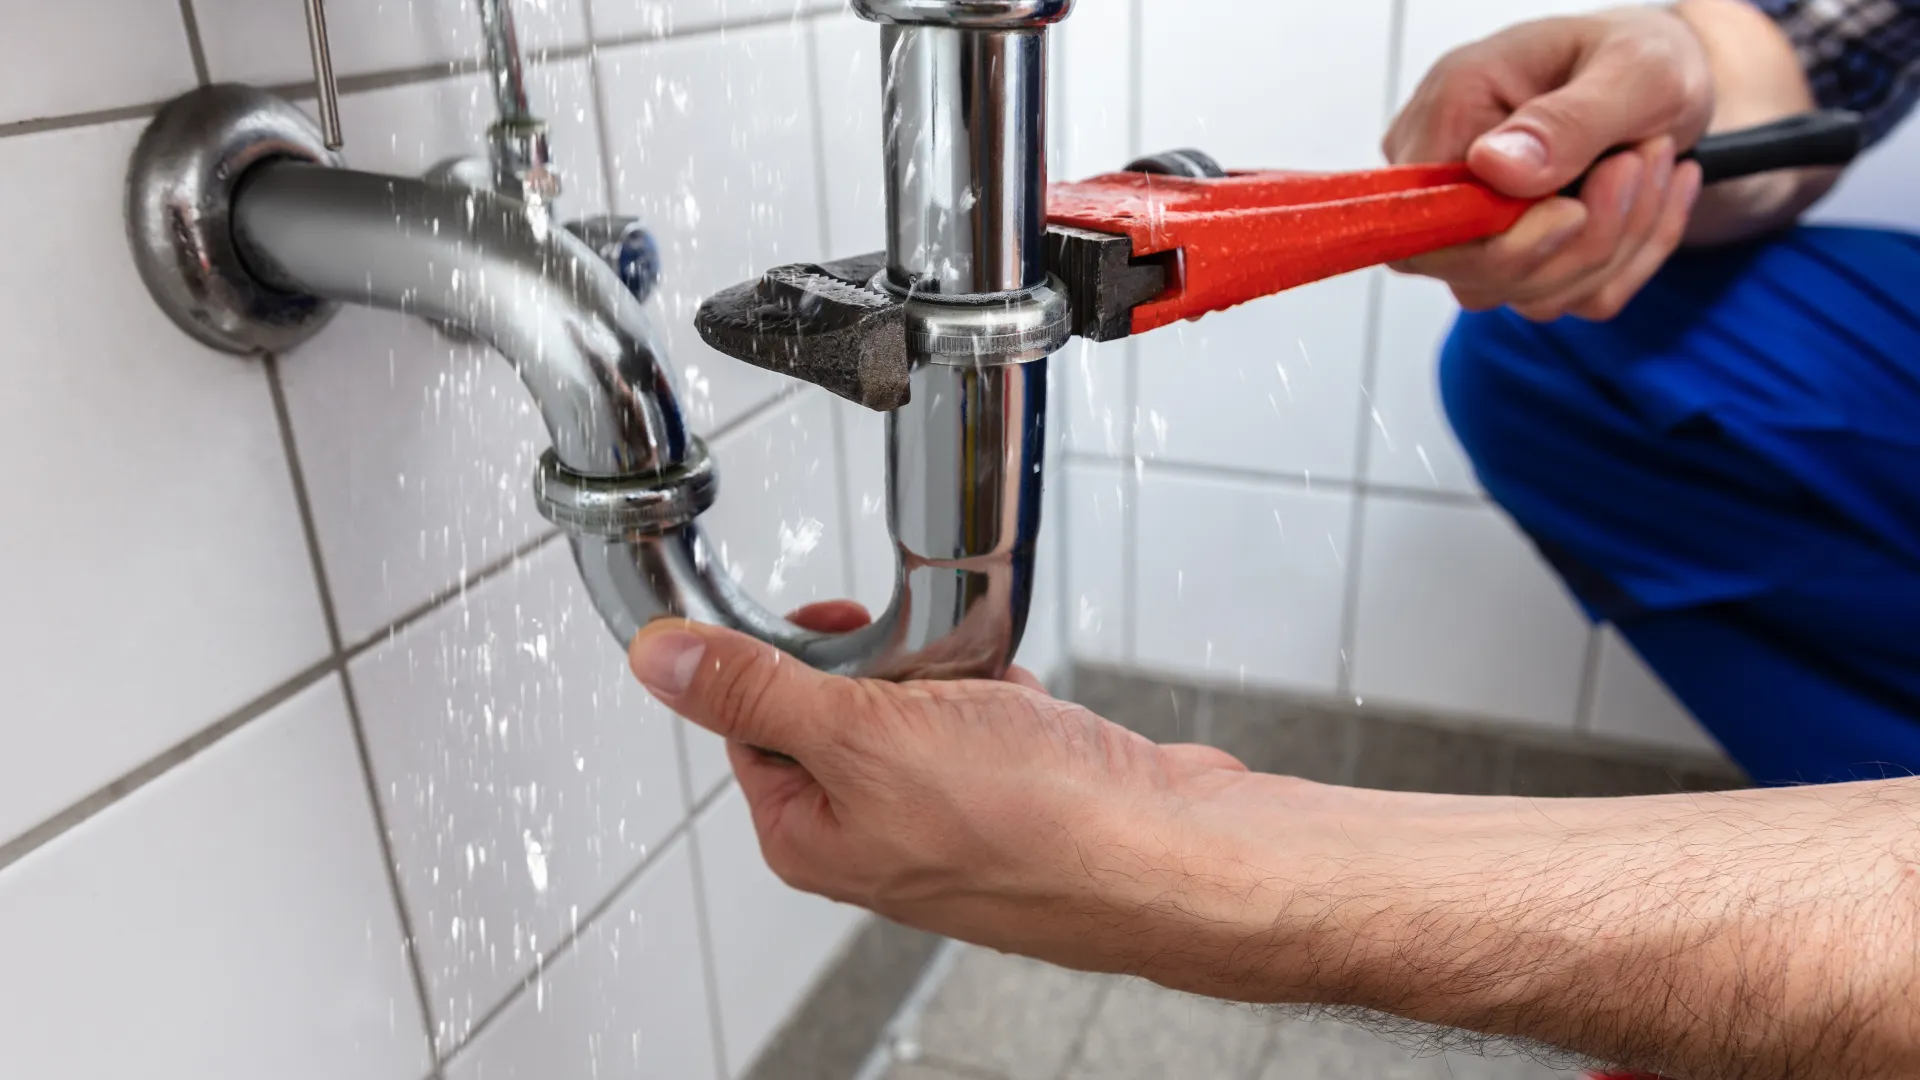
x=503, y=57
x=324, y=85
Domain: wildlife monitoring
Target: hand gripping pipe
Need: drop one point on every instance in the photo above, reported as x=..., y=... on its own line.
x=248, y=235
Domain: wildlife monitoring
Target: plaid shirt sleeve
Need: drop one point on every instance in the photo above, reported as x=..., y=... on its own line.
x=1862, y=55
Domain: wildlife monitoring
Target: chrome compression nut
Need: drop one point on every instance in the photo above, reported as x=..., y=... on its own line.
x=989, y=330
x=965, y=14
x=626, y=506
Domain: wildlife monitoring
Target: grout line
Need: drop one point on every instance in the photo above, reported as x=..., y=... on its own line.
x=1294, y=480
x=1362, y=461
x=78, y=120
x=1589, y=680
x=703, y=932
x=439, y=600
x=415, y=968
x=545, y=961
x=754, y=415
x=153, y=768
x=310, y=532
x=602, y=121
x=423, y=73
x=816, y=99
x=559, y=952
x=1396, y=56
x=195, y=46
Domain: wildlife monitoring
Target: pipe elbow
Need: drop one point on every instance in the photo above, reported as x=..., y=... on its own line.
x=489, y=267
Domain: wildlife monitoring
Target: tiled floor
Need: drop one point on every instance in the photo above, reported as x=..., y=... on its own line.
x=1003, y=1018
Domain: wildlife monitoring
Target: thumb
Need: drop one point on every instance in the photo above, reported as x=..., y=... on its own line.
x=743, y=690
x=1549, y=141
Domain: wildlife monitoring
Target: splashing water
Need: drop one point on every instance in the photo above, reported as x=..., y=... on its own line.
x=536, y=862
x=796, y=543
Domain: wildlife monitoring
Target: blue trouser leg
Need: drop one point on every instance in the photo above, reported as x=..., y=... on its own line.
x=1730, y=472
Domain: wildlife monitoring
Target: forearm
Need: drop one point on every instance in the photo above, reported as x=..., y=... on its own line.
x=1757, y=79
x=1772, y=933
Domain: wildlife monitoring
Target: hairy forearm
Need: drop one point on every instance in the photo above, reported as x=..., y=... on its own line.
x=1757, y=79
x=1761, y=934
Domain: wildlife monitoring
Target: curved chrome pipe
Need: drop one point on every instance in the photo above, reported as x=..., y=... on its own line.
x=488, y=266
x=964, y=481
x=964, y=459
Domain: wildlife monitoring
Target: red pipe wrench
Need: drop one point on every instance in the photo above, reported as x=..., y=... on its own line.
x=1176, y=237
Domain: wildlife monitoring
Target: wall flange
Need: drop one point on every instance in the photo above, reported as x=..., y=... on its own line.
x=180, y=189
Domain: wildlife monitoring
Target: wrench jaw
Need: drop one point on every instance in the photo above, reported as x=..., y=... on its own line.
x=823, y=323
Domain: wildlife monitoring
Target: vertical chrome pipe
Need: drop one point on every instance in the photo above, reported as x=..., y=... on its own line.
x=965, y=158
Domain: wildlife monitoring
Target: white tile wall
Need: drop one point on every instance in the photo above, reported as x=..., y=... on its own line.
x=1271, y=387
x=1242, y=581
x=1411, y=445
x=136, y=52
x=712, y=138
x=1097, y=528
x=229, y=921
x=181, y=850
x=523, y=775
x=172, y=585
x=769, y=942
x=629, y=999
x=265, y=41
x=1457, y=612
x=847, y=76
x=1264, y=85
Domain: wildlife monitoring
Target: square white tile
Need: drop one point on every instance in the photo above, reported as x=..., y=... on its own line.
x=1094, y=520
x=1412, y=444
x=712, y=138
x=769, y=942
x=1434, y=28
x=1458, y=613
x=1261, y=85
x=174, y=584
x=778, y=529
x=1096, y=57
x=419, y=452
x=846, y=53
x=1093, y=377
x=1631, y=703
x=629, y=999
x=1241, y=582
x=523, y=771
x=1271, y=387
x=84, y=55
x=229, y=921
x=265, y=41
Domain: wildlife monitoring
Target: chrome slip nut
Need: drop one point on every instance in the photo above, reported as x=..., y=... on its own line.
x=965, y=14
x=625, y=506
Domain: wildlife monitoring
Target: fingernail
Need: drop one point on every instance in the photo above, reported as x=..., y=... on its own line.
x=1630, y=176
x=665, y=662
x=1663, y=170
x=1559, y=237
x=1517, y=145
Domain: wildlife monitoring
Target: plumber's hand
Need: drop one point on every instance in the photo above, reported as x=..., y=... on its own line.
x=985, y=811
x=1532, y=108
